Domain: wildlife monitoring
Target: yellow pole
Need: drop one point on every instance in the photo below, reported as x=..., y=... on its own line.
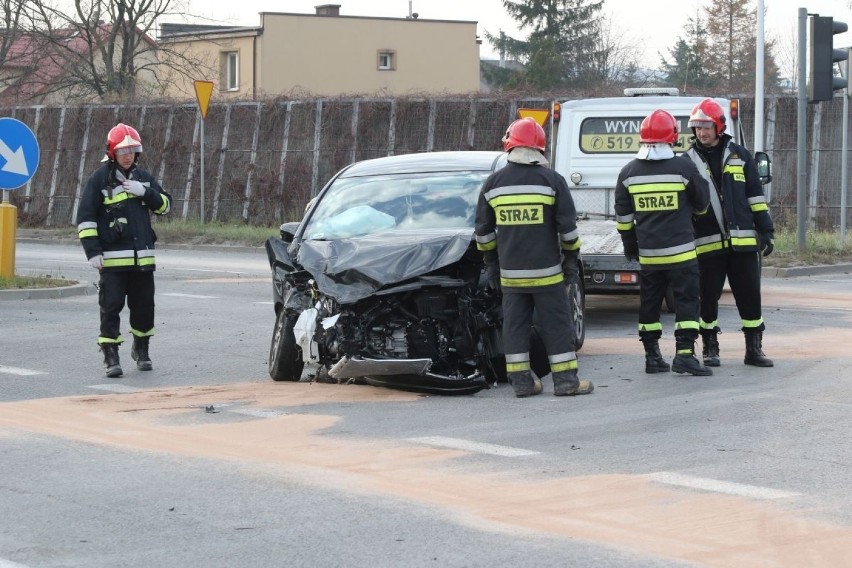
x=8, y=230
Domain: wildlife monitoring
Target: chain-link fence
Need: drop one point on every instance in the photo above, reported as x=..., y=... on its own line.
x=264, y=160
x=823, y=162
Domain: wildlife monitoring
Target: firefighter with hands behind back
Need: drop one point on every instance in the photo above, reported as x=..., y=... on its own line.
x=526, y=228
x=114, y=224
x=730, y=237
x=656, y=195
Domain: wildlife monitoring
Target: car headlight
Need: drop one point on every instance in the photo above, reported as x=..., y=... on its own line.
x=576, y=178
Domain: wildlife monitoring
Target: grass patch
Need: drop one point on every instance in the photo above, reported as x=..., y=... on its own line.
x=29, y=282
x=820, y=248
x=214, y=233
x=176, y=232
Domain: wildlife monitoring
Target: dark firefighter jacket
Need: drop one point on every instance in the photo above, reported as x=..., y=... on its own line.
x=526, y=214
x=117, y=224
x=654, y=204
x=740, y=215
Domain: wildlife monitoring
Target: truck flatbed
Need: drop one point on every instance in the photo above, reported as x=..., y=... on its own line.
x=605, y=269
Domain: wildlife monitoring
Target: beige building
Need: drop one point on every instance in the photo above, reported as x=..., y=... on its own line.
x=327, y=54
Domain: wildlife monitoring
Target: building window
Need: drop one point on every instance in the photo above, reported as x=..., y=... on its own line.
x=230, y=77
x=386, y=60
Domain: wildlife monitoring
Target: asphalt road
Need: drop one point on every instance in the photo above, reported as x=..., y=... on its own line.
x=205, y=461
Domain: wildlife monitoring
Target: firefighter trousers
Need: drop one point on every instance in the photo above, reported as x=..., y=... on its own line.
x=553, y=320
x=742, y=269
x=684, y=282
x=138, y=288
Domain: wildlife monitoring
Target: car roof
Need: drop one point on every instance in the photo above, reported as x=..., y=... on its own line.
x=425, y=162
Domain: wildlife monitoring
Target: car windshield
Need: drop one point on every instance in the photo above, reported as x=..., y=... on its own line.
x=371, y=204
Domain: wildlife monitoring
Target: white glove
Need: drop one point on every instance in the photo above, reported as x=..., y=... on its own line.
x=97, y=261
x=134, y=187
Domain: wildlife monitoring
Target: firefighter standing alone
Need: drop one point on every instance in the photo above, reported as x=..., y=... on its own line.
x=656, y=196
x=526, y=229
x=114, y=226
x=729, y=237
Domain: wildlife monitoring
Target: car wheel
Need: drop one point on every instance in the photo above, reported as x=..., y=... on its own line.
x=577, y=296
x=285, y=357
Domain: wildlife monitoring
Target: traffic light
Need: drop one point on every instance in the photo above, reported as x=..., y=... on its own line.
x=823, y=83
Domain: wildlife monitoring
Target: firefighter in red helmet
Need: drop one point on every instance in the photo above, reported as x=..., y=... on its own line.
x=656, y=196
x=731, y=236
x=114, y=226
x=527, y=231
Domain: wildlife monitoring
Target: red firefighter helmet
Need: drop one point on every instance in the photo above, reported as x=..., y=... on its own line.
x=659, y=126
x=122, y=139
x=706, y=113
x=524, y=132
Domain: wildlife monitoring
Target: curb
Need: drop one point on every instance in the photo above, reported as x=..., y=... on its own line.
x=87, y=289
x=794, y=271
x=79, y=289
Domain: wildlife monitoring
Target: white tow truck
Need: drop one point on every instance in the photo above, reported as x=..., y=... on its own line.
x=593, y=140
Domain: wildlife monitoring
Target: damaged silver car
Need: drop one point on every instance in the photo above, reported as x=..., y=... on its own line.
x=381, y=282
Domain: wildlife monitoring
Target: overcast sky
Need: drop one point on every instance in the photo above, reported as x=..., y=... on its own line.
x=653, y=25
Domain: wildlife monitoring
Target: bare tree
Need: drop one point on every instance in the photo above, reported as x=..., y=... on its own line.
x=13, y=14
x=100, y=50
x=785, y=49
x=17, y=56
x=617, y=58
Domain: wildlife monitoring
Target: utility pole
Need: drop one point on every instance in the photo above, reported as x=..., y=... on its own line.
x=802, y=124
x=758, y=80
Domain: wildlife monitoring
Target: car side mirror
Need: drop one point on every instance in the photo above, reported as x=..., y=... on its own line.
x=764, y=169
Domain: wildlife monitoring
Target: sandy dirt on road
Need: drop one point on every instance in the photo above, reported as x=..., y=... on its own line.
x=776, y=343
x=625, y=512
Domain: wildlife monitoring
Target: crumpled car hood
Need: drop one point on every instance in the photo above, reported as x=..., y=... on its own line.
x=352, y=269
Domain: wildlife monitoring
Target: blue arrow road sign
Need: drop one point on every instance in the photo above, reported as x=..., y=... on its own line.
x=18, y=153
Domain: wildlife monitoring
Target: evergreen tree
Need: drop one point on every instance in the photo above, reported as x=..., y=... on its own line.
x=562, y=48
x=687, y=70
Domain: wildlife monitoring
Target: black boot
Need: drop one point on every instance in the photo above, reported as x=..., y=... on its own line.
x=754, y=350
x=111, y=362
x=525, y=383
x=710, y=341
x=685, y=360
x=139, y=353
x=654, y=362
x=566, y=383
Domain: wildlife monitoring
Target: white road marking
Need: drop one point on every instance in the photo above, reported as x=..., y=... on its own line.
x=176, y=295
x=717, y=486
x=115, y=387
x=264, y=303
x=470, y=445
x=20, y=371
x=259, y=412
x=9, y=564
x=212, y=270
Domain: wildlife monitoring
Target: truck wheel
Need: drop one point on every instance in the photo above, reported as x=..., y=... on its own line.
x=671, y=307
x=285, y=357
x=577, y=296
